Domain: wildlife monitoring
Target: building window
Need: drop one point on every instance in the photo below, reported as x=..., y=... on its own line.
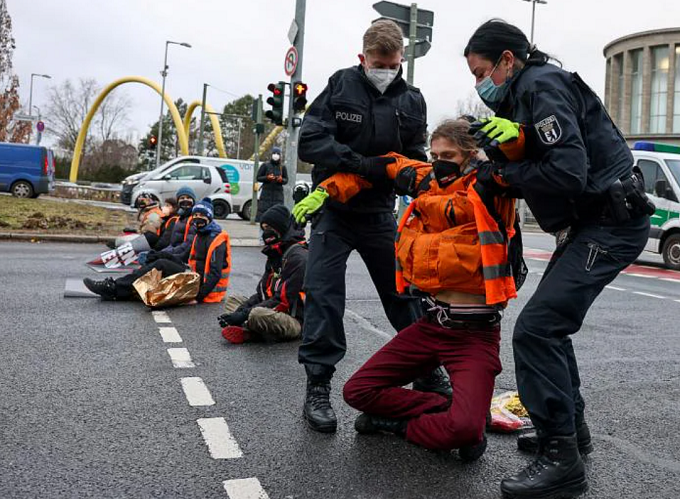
x=657, y=110
x=619, y=86
x=636, y=92
x=676, y=97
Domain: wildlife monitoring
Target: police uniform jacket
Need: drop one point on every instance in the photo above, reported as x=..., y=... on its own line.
x=573, y=150
x=351, y=119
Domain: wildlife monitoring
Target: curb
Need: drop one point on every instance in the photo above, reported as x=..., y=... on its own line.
x=73, y=238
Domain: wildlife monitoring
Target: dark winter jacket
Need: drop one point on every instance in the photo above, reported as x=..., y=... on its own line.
x=272, y=190
x=281, y=285
x=351, y=119
x=181, y=238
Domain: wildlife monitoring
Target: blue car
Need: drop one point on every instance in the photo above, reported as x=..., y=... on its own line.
x=26, y=171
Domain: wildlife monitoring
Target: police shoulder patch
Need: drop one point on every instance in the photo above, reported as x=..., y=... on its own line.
x=549, y=130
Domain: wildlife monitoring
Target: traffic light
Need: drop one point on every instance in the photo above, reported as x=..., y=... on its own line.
x=152, y=142
x=276, y=102
x=299, y=96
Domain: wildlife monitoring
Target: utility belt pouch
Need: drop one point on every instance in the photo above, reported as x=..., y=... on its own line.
x=616, y=202
x=634, y=186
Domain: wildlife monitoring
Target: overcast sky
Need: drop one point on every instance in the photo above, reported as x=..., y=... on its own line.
x=239, y=45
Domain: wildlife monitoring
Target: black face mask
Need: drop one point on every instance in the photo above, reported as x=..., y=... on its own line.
x=199, y=223
x=185, y=207
x=271, y=237
x=445, y=172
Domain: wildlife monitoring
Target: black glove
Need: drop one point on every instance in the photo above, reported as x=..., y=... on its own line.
x=373, y=168
x=405, y=182
x=151, y=257
x=237, y=318
x=486, y=171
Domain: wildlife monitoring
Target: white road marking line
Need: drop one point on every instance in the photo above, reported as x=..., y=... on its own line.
x=640, y=275
x=180, y=357
x=245, y=488
x=196, y=392
x=615, y=288
x=668, y=279
x=170, y=335
x=677, y=301
x=367, y=325
x=161, y=317
x=221, y=444
x=649, y=294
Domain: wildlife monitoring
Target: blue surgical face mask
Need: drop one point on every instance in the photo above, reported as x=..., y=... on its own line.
x=489, y=92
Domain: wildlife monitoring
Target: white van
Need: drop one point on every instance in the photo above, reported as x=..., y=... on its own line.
x=660, y=165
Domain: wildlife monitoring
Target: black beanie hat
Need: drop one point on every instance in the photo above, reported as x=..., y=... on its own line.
x=277, y=217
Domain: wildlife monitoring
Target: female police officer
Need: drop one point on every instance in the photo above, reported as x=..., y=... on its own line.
x=576, y=174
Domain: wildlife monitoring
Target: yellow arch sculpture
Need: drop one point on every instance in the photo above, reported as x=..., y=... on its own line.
x=176, y=118
x=215, y=124
x=269, y=141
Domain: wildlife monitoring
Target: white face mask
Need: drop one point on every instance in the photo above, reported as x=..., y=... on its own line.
x=381, y=78
x=276, y=157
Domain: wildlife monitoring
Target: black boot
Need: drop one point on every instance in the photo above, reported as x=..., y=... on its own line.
x=557, y=471
x=367, y=425
x=436, y=382
x=317, y=411
x=469, y=453
x=106, y=288
x=528, y=442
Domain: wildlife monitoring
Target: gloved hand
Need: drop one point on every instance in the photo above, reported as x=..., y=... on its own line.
x=151, y=256
x=237, y=318
x=494, y=130
x=309, y=205
x=405, y=182
x=141, y=258
x=279, y=179
x=374, y=168
x=486, y=171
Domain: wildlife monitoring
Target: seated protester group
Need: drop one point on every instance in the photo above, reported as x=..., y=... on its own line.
x=453, y=253
x=208, y=254
x=274, y=313
x=181, y=232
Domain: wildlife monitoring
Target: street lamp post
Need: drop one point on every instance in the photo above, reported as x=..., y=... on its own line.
x=164, y=73
x=533, y=14
x=30, y=100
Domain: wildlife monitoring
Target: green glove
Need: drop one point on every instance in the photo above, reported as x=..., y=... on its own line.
x=497, y=129
x=309, y=205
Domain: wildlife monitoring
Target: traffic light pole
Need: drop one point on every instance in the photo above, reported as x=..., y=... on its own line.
x=202, y=126
x=291, y=158
x=259, y=127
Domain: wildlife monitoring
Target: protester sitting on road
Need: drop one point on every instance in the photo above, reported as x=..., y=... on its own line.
x=150, y=217
x=177, y=241
x=275, y=311
x=170, y=217
x=454, y=253
x=208, y=254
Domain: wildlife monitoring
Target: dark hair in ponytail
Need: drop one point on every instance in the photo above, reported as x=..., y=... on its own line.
x=496, y=36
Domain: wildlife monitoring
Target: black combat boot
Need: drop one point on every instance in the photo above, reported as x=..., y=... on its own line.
x=367, y=425
x=469, y=453
x=557, y=471
x=436, y=382
x=528, y=442
x=106, y=288
x=317, y=411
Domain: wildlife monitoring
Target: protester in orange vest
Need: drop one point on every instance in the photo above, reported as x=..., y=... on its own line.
x=454, y=253
x=150, y=217
x=209, y=255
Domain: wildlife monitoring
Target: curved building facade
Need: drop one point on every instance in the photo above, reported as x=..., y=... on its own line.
x=642, y=86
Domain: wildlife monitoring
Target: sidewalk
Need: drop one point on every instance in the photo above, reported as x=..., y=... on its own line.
x=241, y=233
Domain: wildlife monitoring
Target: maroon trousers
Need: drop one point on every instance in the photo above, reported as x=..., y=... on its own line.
x=469, y=354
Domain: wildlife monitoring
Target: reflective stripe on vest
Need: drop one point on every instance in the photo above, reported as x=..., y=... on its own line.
x=187, y=227
x=401, y=282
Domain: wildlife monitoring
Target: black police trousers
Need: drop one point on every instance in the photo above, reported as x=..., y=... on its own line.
x=126, y=291
x=545, y=365
x=334, y=236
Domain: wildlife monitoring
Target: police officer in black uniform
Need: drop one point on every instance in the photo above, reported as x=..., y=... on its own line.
x=577, y=177
x=364, y=112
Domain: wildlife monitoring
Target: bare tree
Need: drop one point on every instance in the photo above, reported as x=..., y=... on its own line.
x=10, y=130
x=472, y=106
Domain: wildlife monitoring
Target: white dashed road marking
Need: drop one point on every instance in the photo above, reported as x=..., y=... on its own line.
x=615, y=288
x=196, y=392
x=649, y=294
x=161, y=317
x=170, y=335
x=246, y=488
x=633, y=274
x=180, y=358
x=221, y=444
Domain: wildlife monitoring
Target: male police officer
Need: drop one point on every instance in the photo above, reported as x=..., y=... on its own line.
x=364, y=112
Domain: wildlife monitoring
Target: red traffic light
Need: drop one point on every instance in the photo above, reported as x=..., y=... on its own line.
x=153, y=140
x=299, y=89
x=275, y=89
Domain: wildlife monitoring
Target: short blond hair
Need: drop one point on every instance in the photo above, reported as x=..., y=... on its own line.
x=384, y=37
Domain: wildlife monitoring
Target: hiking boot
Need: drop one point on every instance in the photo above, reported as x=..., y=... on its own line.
x=557, y=472
x=470, y=453
x=317, y=410
x=366, y=424
x=106, y=288
x=111, y=244
x=235, y=334
x=528, y=442
x=436, y=382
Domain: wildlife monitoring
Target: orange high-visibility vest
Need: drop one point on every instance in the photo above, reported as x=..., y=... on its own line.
x=147, y=214
x=220, y=290
x=187, y=227
x=170, y=220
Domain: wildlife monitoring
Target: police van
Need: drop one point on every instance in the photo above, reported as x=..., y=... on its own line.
x=660, y=165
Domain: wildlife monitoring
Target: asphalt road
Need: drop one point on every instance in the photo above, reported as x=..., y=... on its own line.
x=91, y=405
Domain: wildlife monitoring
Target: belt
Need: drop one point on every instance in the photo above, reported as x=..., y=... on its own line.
x=450, y=316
